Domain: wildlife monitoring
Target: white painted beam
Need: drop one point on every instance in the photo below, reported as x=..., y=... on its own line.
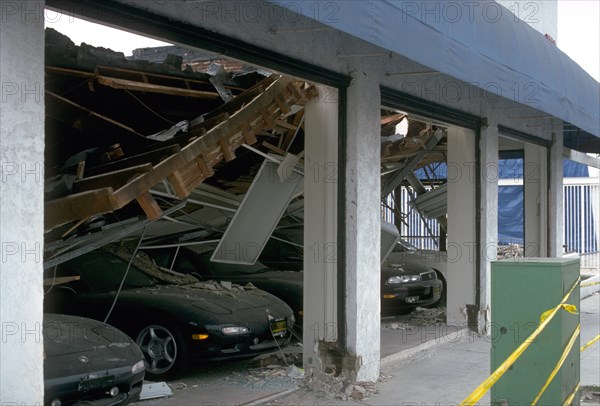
x=488, y=221
x=21, y=202
x=461, y=224
x=555, y=197
x=535, y=180
x=581, y=157
x=320, y=231
x=362, y=199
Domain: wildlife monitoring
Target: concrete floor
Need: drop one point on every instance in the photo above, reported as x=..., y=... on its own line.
x=431, y=368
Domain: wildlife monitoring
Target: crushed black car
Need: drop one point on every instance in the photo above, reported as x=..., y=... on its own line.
x=195, y=260
x=404, y=287
x=89, y=362
x=175, y=319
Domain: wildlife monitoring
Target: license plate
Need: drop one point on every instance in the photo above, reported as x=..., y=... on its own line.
x=88, y=383
x=279, y=327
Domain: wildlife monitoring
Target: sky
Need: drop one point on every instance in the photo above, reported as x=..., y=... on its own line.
x=579, y=33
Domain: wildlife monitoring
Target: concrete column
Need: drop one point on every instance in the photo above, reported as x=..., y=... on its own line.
x=555, y=197
x=488, y=221
x=461, y=245
x=535, y=183
x=362, y=228
x=21, y=201
x=320, y=231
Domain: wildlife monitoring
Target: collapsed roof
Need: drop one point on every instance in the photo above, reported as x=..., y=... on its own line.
x=129, y=141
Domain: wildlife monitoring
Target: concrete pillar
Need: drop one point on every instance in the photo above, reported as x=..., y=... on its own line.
x=21, y=201
x=488, y=221
x=461, y=246
x=535, y=183
x=320, y=232
x=555, y=197
x=362, y=228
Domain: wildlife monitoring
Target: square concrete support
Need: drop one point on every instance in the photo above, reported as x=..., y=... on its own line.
x=320, y=228
x=535, y=182
x=362, y=227
x=488, y=221
x=461, y=245
x=21, y=201
x=555, y=197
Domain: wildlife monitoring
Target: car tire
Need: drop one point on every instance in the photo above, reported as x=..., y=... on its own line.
x=165, y=352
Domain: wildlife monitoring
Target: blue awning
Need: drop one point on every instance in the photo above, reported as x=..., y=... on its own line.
x=481, y=43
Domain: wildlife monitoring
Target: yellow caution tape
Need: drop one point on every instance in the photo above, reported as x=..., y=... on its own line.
x=590, y=343
x=569, y=399
x=561, y=361
x=568, y=307
x=508, y=362
x=585, y=285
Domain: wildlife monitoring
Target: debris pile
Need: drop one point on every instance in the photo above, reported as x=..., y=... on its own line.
x=399, y=326
x=144, y=263
x=277, y=360
x=327, y=383
x=426, y=317
x=275, y=371
x=510, y=251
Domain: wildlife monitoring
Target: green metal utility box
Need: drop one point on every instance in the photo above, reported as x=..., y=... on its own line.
x=523, y=289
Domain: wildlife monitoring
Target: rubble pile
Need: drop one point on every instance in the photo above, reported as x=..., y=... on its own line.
x=277, y=359
x=427, y=317
x=327, y=383
x=144, y=263
x=510, y=251
x=398, y=326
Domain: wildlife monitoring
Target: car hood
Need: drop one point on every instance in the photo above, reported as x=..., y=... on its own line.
x=74, y=346
x=214, y=297
x=429, y=258
x=292, y=278
x=65, y=335
x=403, y=268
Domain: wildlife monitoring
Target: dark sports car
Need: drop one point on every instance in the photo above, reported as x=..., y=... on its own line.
x=405, y=287
x=89, y=361
x=174, y=318
x=286, y=285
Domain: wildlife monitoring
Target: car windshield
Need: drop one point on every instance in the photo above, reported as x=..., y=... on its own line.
x=103, y=272
x=404, y=246
x=220, y=268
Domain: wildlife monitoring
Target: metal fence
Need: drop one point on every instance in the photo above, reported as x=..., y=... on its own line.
x=422, y=232
x=581, y=202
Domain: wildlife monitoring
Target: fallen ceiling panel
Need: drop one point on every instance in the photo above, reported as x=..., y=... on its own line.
x=258, y=215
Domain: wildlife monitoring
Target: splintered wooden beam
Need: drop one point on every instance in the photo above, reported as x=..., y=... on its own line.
x=228, y=153
x=289, y=137
x=248, y=134
x=283, y=106
x=79, y=205
x=114, y=179
x=186, y=168
x=390, y=119
x=178, y=184
x=243, y=98
x=153, y=157
x=59, y=280
x=149, y=205
x=117, y=83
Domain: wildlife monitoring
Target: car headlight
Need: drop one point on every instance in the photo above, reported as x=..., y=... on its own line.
x=138, y=367
x=392, y=280
x=235, y=330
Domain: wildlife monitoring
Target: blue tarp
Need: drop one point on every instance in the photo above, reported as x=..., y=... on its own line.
x=511, y=198
x=480, y=43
